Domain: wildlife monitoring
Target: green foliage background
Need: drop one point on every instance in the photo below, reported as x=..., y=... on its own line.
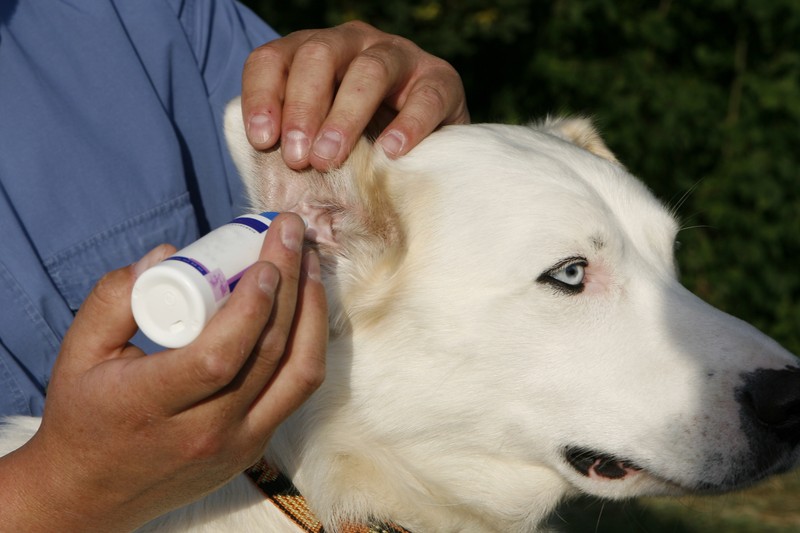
x=699, y=98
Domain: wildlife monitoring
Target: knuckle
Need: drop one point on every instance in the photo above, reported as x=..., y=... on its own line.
x=358, y=25
x=357, y=29
x=416, y=125
x=108, y=289
x=371, y=65
x=433, y=95
x=255, y=309
x=368, y=33
x=439, y=72
x=443, y=68
x=278, y=50
x=207, y=444
x=266, y=56
x=299, y=113
x=217, y=368
x=449, y=93
x=216, y=442
x=317, y=50
x=311, y=375
x=432, y=103
x=224, y=455
x=397, y=42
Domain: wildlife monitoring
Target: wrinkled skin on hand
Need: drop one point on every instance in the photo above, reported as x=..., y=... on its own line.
x=317, y=90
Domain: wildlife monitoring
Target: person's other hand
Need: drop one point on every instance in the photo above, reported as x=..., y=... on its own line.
x=126, y=437
x=316, y=91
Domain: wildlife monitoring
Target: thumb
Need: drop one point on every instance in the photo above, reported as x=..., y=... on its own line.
x=104, y=323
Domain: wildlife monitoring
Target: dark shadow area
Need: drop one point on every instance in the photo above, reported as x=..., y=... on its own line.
x=7, y=8
x=592, y=515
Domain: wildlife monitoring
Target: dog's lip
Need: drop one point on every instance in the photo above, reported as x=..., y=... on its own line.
x=599, y=465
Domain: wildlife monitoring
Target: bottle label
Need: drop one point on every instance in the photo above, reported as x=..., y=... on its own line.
x=222, y=285
x=189, y=261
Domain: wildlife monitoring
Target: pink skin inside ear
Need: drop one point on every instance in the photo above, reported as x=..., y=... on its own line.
x=293, y=195
x=319, y=223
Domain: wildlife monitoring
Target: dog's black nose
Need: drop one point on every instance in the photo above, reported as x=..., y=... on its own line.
x=772, y=399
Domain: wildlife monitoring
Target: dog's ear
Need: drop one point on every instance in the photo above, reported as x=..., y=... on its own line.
x=579, y=131
x=343, y=207
x=350, y=216
x=337, y=205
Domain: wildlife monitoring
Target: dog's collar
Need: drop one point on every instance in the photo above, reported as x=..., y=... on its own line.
x=281, y=492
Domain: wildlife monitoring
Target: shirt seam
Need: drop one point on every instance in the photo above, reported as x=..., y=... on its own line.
x=66, y=254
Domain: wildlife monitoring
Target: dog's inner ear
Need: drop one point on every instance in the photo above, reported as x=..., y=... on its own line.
x=272, y=186
x=340, y=206
x=581, y=132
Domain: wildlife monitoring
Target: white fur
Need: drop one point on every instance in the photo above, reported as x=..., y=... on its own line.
x=456, y=378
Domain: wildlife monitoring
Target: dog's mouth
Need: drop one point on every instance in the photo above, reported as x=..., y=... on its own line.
x=598, y=465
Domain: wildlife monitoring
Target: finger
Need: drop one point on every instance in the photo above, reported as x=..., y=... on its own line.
x=374, y=73
x=104, y=323
x=318, y=65
x=284, y=250
x=430, y=100
x=263, y=88
x=184, y=377
x=303, y=366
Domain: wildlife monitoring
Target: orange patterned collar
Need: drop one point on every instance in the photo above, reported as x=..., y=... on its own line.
x=281, y=492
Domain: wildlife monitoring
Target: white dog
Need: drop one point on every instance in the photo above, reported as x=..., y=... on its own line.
x=507, y=330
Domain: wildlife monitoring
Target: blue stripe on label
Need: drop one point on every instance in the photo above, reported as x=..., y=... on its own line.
x=232, y=282
x=189, y=261
x=254, y=223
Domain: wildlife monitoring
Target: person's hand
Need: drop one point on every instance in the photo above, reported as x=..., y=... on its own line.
x=316, y=91
x=126, y=437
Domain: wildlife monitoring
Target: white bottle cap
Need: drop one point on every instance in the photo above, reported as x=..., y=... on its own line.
x=171, y=305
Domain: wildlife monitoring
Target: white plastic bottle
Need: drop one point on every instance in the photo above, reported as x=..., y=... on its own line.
x=176, y=298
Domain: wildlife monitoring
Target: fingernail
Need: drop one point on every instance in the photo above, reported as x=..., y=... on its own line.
x=392, y=143
x=328, y=144
x=292, y=236
x=260, y=128
x=295, y=145
x=150, y=259
x=311, y=266
x=268, y=280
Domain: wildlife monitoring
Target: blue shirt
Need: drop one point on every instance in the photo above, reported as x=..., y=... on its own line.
x=110, y=143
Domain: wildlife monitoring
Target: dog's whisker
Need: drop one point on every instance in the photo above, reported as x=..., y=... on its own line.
x=697, y=226
x=676, y=207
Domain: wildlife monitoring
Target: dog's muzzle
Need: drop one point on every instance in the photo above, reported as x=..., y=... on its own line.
x=769, y=414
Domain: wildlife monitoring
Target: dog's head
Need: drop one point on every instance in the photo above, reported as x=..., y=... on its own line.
x=507, y=324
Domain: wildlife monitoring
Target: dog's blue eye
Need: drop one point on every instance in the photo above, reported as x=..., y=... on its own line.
x=571, y=274
x=567, y=275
